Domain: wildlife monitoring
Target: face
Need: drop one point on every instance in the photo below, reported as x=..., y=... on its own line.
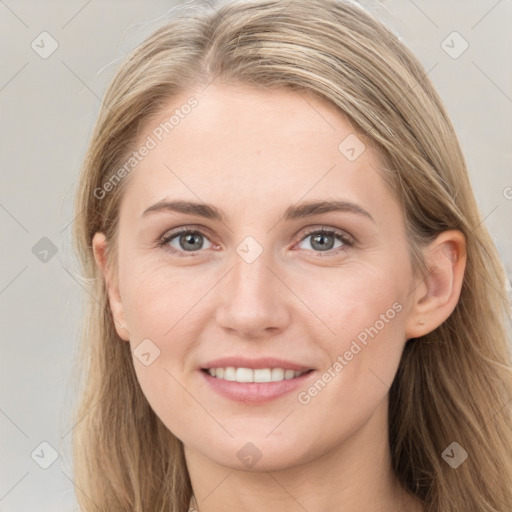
x=269, y=283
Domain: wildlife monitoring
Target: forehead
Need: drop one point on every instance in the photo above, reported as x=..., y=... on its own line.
x=240, y=145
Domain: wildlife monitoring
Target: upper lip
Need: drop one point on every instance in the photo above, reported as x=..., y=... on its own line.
x=263, y=362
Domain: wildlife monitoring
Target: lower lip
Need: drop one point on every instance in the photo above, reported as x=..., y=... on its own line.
x=254, y=392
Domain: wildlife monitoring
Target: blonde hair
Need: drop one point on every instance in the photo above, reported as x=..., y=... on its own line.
x=452, y=385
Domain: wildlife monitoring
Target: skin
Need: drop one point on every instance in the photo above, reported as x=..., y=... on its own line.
x=253, y=153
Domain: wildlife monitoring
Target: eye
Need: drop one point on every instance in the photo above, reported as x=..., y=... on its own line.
x=323, y=241
x=184, y=240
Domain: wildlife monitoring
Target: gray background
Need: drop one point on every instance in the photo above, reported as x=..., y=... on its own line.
x=48, y=107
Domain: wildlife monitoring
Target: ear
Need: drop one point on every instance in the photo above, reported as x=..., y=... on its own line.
x=436, y=295
x=99, y=247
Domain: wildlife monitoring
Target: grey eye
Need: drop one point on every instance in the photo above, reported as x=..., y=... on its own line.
x=322, y=241
x=188, y=241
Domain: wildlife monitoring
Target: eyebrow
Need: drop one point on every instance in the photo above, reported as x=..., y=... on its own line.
x=297, y=211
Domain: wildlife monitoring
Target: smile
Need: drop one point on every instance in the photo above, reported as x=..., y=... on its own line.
x=231, y=373
x=255, y=386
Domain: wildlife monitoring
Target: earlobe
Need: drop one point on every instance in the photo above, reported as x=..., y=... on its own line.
x=436, y=295
x=99, y=246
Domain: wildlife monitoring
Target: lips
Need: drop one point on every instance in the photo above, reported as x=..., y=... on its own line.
x=296, y=374
x=253, y=392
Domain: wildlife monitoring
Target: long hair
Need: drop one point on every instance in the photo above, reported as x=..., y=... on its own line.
x=452, y=385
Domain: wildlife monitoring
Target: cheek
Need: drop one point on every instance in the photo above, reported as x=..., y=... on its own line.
x=347, y=301
x=361, y=332
x=161, y=309
x=159, y=300
x=364, y=311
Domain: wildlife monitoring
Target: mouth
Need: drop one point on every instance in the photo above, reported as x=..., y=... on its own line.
x=250, y=375
x=255, y=386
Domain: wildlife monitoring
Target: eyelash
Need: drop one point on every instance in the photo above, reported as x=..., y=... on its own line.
x=347, y=241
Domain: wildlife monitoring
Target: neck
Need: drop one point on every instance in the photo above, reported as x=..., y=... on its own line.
x=352, y=476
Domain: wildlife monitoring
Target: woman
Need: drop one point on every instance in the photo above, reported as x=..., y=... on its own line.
x=295, y=304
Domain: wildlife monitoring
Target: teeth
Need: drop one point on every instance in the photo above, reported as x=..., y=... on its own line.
x=244, y=375
x=277, y=374
x=289, y=374
x=249, y=375
x=229, y=373
x=263, y=375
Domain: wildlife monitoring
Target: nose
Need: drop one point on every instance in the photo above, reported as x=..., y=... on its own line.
x=253, y=301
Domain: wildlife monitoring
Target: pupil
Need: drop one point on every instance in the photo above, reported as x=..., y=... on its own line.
x=323, y=245
x=190, y=238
